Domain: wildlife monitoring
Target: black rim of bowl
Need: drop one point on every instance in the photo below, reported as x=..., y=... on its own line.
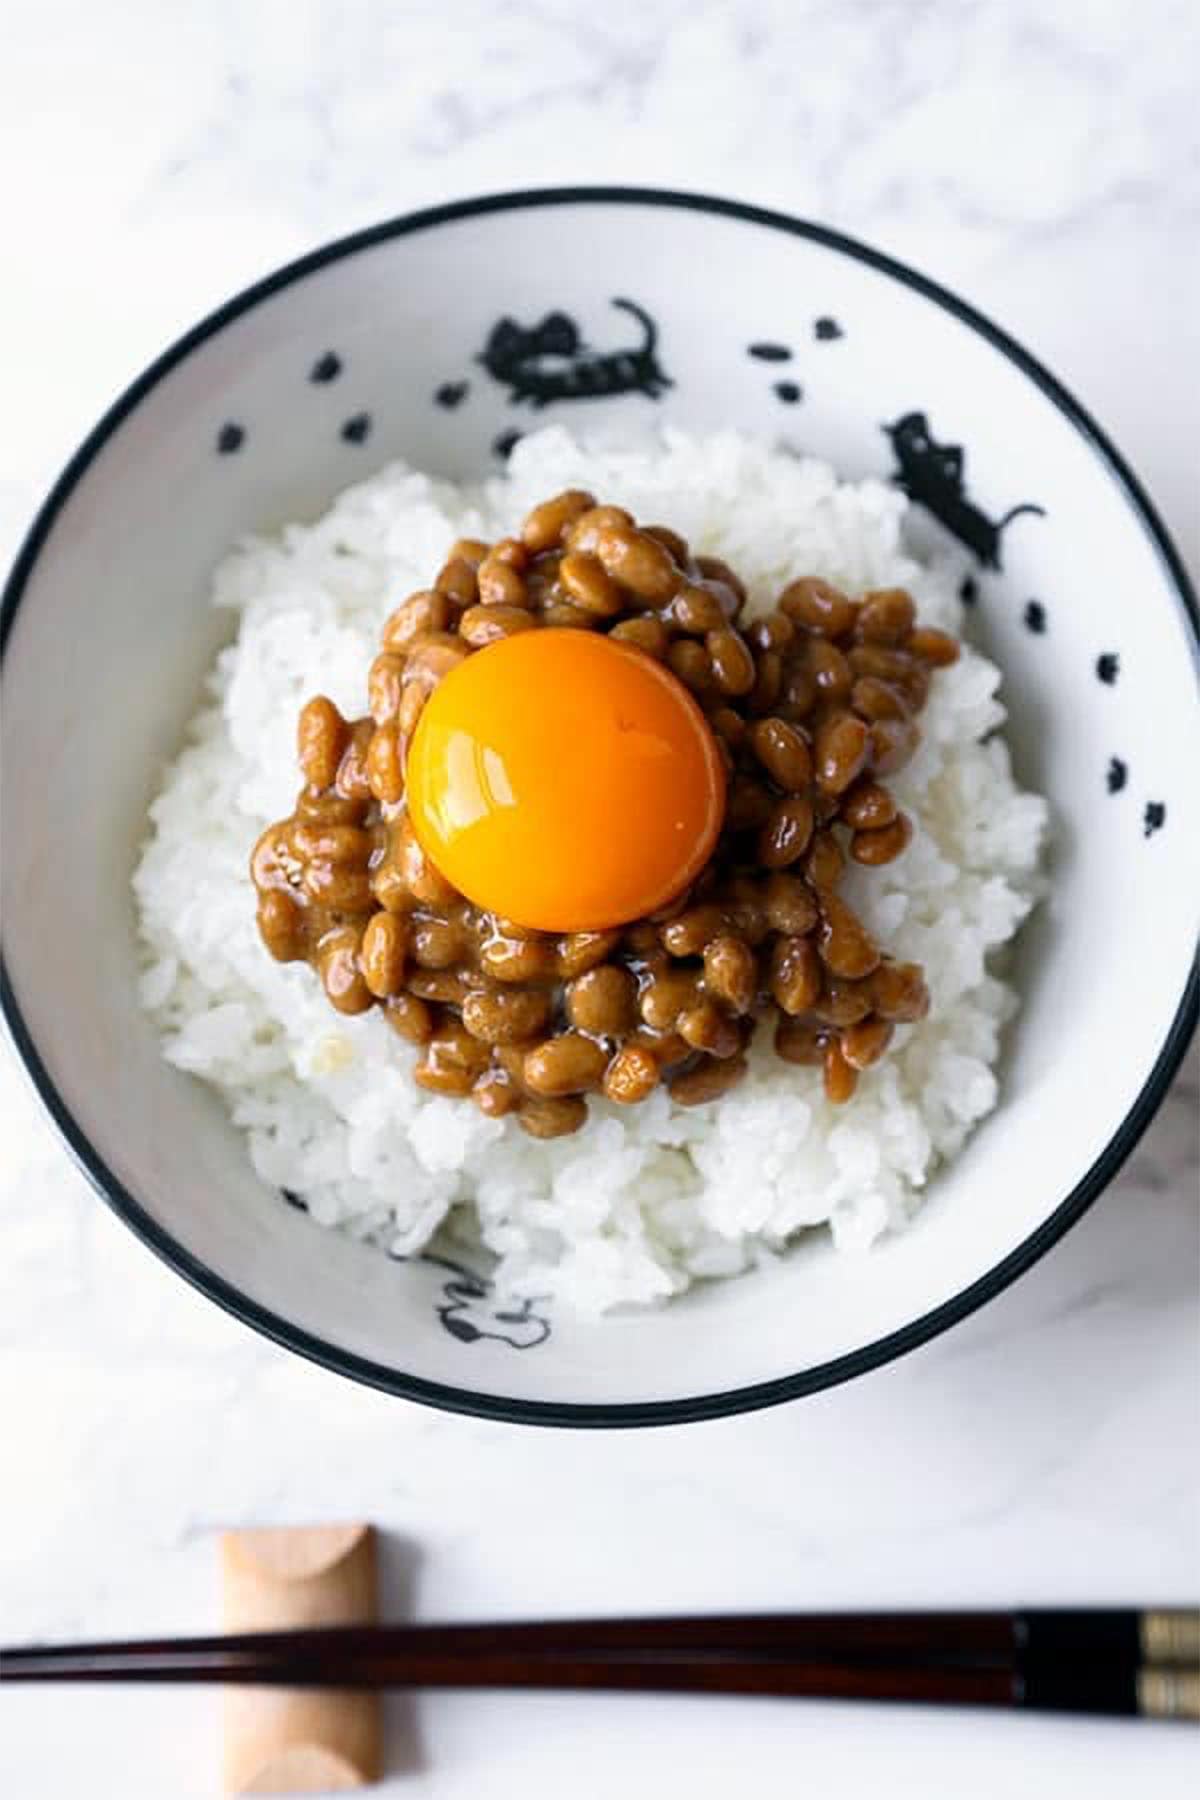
x=704, y=1406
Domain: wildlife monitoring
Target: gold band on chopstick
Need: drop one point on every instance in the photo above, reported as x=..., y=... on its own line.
x=1168, y=1693
x=1170, y=1635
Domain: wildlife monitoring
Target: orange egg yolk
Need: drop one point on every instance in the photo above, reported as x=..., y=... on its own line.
x=565, y=781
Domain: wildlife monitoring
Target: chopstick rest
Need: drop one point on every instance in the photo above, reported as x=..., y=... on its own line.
x=297, y=1740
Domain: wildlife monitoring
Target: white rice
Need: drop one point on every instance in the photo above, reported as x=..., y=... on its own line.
x=643, y=1200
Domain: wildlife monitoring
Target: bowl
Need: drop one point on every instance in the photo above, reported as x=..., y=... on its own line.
x=440, y=336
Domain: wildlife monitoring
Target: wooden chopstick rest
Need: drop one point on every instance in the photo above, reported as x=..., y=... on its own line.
x=297, y=1740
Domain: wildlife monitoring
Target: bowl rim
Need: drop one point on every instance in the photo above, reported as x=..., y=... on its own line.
x=450, y=1397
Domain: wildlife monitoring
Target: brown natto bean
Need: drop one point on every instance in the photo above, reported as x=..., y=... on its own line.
x=281, y=925
x=412, y=705
x=800, y=1041
x=697, y=609
x=321, y=736
x=732, y=664
x=863, y=1044
x=833, y=675
x=818, y=606
x=887, y=663
x=795, y=976
x=787, y=832
x=774, y=631
x=868, y=806
x=566, y=1064
x=707, y=1081
x=799, y=692
x=511, y=1059
x=499, y=583
x=484, y=624
x=457, y=581
x=840, y=1079
x=382, y=954
x=506, y=1015
x=512, y=551
x=389, y=886
x=580, y=951
x=824, y=863
x=384, y=684
x=670, y=540
x=666, y=996
x=452, y=1060
x=729, y=726
x=518, y=959
x=789, y=903
x=690, y=662
x=631, y=1076
x=843, y=1002
x=899, y=992
x=742, y=904
x=432, y=656
x=731, y=972
x=273, y=861
x=705, y=1027
x=768, y=683
x=713, y=569
x=423, y=881
x=337, y=965
x=347, y=846
x=666, y=1047
x=564, y=616
x=328, y=808
x=783, y=752
x=468, y=550
x=885, y=616
x=420, y=613
x=589, y=584
x=842, y=748
x=603, y=1002
x=874, y=699
x=385, y=765
x=511, y=927
x=342, y=887
x=411, y=1018
x=874, y=848
x=541, y=580
x=586, y=530
x=639, y=563
x=937, y=648
x=447, y=986
x=436, y=944
x=552, y=1118
x=689, y=932
x=495, y=1095
x=845, y=944
x=545, y=526
x=644, y=632
x=893, y=743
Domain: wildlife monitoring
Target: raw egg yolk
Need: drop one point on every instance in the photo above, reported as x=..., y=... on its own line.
x=565, y=781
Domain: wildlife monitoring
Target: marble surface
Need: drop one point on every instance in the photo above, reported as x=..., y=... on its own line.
x=1042, y=161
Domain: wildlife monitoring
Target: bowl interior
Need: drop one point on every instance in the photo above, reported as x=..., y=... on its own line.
x=391, y=347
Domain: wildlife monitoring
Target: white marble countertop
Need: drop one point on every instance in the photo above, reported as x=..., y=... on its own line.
x=1041, y=161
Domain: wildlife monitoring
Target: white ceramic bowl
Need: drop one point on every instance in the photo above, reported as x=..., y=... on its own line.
x=387, y=344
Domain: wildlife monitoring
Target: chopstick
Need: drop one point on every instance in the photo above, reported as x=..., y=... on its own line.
x=1117, y=1661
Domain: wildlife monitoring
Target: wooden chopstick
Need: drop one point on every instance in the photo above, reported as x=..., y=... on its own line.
x=1114, y=1660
